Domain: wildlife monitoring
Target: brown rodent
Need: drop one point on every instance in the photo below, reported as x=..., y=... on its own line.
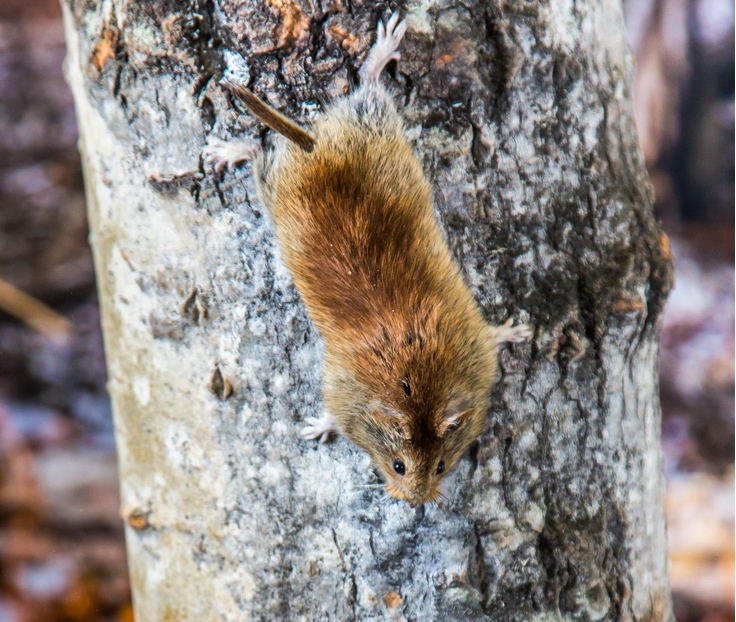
x=409, y=359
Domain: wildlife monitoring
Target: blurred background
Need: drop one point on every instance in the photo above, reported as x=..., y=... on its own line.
x=62, y=555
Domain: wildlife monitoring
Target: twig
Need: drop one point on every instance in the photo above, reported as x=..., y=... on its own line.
x=34, y=313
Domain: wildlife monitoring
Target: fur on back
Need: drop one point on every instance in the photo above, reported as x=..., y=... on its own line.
x=355, y=223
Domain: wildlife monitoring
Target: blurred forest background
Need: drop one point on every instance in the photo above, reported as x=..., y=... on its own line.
x=62, y=555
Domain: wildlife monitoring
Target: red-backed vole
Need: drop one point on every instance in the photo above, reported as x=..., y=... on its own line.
x=409, y=359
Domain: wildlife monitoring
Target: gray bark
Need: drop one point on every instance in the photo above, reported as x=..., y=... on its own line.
x=521, y=113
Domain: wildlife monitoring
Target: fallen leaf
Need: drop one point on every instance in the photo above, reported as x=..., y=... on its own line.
x=104, y=49
x=393, y=600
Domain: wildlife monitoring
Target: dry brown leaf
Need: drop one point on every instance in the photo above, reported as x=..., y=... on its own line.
x=104, y=49
x=393, y=600
x=626, y=305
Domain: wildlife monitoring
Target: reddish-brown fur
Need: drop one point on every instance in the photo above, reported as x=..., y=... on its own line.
x=409, y=360
x=406, y=345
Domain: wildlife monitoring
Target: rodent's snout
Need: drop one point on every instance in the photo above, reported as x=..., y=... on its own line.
x=414, y=498
x=418, y=500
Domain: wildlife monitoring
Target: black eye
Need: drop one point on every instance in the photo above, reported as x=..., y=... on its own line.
x=441, y=467
x=399, y=467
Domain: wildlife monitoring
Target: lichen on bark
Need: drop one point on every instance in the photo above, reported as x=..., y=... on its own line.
x=521, y=113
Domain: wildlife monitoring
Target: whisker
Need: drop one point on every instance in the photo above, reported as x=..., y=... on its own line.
x=385, y=500
x=358, y=491
x=354, y=493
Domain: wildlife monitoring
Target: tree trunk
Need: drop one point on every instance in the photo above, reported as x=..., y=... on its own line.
x=521, y=113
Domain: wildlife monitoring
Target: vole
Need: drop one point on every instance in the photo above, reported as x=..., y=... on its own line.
x=409, y=359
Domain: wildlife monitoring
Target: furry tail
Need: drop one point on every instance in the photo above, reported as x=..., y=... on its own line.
x=275, y=120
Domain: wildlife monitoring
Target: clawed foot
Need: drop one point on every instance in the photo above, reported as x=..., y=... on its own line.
x=384, y=49
x=319, y=428
x=512, y=334
x=219, y=154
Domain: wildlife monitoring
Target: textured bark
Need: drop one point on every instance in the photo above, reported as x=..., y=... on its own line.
x=521, y=112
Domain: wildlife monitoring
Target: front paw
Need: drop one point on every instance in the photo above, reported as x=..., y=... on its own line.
x=319, y=428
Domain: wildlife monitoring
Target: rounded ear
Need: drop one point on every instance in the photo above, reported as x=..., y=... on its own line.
x=453, y=416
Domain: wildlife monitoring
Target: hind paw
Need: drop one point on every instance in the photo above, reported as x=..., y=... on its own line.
x=219, y=154
x=384, y=49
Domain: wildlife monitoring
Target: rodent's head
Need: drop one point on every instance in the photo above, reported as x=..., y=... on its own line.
x=414, y=399
x=414, y=455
